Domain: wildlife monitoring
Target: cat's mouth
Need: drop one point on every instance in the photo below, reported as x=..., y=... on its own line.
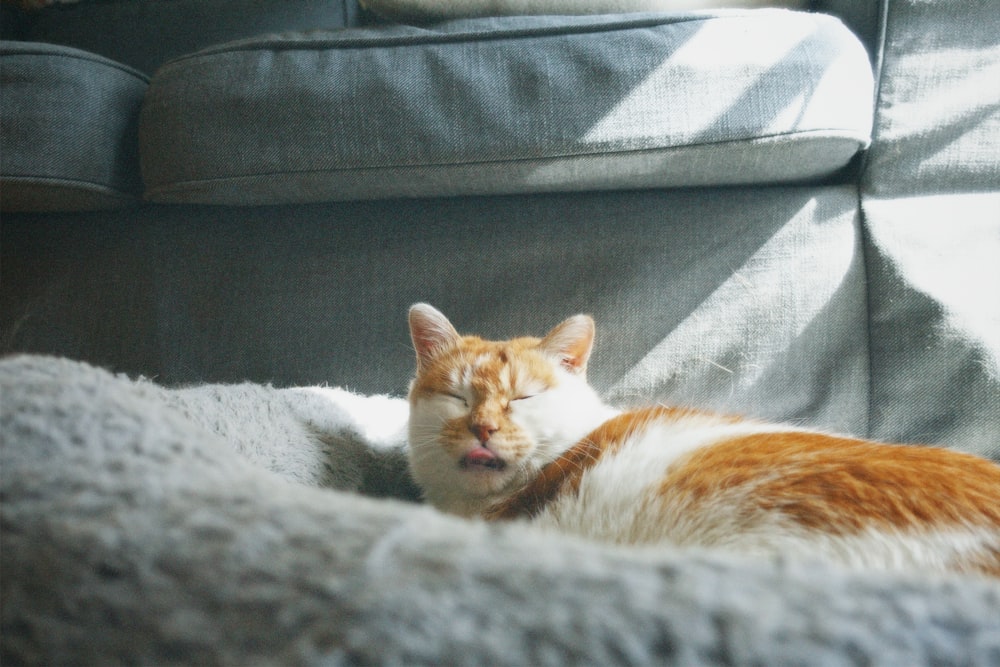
x=482, y=459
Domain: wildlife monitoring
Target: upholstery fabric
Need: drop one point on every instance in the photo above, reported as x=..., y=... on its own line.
x=139, y=528
x=863, y=17
x=144, y=35
x=931, y=197
x=509, y=105
x=68, y=122
x=758, y=343
x=135, y=535
x=423, y=11
x=748, y=301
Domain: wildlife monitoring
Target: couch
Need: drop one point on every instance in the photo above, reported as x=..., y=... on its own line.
x=216, y=214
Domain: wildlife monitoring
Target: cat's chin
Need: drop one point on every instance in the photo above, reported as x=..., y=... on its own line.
x=489, y=478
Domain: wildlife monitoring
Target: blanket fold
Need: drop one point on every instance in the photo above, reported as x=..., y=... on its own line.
x=137, y=528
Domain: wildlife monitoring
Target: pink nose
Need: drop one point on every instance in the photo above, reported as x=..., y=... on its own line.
x=483, y=432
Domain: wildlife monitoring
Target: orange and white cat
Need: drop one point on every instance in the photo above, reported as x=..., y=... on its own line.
x=511, y=429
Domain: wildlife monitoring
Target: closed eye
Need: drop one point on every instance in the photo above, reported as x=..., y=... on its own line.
x=458, y=398
x=524, y=398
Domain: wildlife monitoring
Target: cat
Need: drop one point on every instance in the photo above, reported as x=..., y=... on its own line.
x=439, y=10
x=512, y=430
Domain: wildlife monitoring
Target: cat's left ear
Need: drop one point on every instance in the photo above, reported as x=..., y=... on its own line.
x=571, y=343
x=430, y=331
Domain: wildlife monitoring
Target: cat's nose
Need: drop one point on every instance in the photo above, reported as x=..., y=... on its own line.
x=483, y=431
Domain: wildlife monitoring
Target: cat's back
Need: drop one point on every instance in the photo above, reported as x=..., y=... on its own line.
x=611, y=484
x=692, y=478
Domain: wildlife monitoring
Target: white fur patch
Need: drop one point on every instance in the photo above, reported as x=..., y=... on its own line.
x=615, y=495
x=380, y=420
x=619, y=500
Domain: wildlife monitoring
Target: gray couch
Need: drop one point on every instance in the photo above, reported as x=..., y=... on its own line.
x=788, y=215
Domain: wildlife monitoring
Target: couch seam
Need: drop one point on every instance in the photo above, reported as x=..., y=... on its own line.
x=82, y=183
x=428, y=37
x=866, y=239
x=70, y=53
x=825, y=134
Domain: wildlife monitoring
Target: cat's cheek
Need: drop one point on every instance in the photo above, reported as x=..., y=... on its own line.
x=435, y=418
x=531, y=412
x=541, y=417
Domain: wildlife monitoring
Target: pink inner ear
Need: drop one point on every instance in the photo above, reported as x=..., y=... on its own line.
x=423, y=343
x=426, y=343
x=572, y=363
x=572, y=342
x=430, y=331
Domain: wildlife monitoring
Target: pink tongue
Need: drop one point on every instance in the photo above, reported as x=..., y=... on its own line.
x=480, y=455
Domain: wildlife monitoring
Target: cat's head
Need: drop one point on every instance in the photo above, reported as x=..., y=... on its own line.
x=485, y=416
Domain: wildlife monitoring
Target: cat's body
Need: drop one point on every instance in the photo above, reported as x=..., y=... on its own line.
x=512, y=430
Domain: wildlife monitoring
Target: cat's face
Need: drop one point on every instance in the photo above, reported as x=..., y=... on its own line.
x=486, y=416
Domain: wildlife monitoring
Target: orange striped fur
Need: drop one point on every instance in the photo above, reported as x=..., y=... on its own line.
x=511, y=430
x=842, y=485
x=565, y=473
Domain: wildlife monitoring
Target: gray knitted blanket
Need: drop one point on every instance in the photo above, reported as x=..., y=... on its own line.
x=237, y=525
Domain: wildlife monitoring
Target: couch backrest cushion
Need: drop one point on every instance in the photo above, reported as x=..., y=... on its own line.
x=507, y=106
x=931, y=197
x=145, y=33
x=68, y=120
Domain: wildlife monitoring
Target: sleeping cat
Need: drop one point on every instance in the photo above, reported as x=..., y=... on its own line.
x=511, y=429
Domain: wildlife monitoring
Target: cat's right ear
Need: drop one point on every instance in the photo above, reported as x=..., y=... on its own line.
x=571, y=343
x=430, y=331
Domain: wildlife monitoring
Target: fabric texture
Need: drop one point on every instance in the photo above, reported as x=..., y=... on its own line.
x=229, y=524
x=863, y=17
x=931, y=198
x=743, y=300
x=145, y=34
x=316, y=436
x=759, y=343
x=440, y=10
x=133, y=534
x=68, y=121
x=509, y=105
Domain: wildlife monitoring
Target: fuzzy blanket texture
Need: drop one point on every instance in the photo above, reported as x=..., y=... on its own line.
x=235, y=525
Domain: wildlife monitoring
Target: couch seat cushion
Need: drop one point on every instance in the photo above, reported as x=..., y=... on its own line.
x=68, y=123
x=509, y=105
